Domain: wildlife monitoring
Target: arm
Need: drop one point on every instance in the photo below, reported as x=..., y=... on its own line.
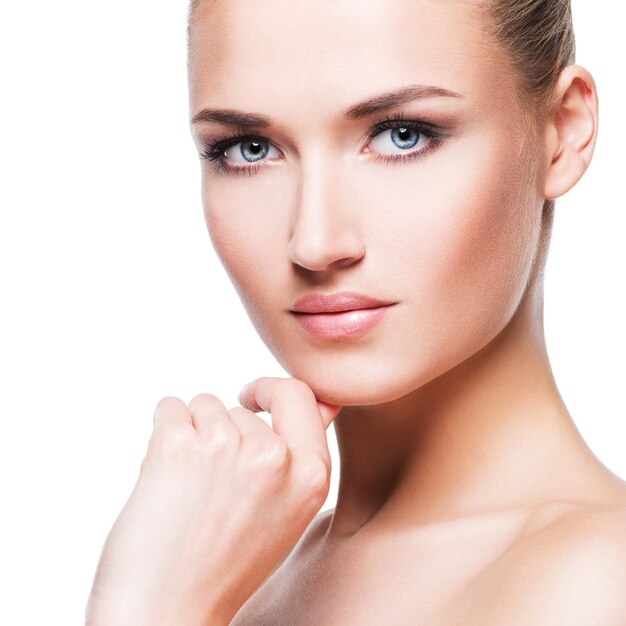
x=221, y=497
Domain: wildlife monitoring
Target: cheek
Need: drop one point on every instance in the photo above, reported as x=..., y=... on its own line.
x=464, y=230
x=244, y=220
x=485, y=263
x=487, y=240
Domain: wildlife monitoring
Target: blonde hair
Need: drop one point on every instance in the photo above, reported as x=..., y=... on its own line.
x=537, y=37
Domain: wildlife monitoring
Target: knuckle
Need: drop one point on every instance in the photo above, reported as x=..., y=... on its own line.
x=171, y=437
x=220, y=436
x=168, y=405
x=168, y=409
x=200, y=398
x=296, y=384
x=268, y=453
x=314, y=475
x=167, y=400
x=301, y=390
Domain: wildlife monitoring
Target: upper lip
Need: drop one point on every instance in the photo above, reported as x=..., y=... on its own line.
x=342, y=301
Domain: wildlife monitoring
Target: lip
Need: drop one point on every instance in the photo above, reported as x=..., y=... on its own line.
x=336, y=302
x=345, y=314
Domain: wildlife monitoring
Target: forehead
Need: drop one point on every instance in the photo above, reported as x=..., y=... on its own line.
x=331, y=53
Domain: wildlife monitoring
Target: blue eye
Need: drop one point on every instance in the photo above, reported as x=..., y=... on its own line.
x=231, y=154
x=402, y=137
x=250, y=150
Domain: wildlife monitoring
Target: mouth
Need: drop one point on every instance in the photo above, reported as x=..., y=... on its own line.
x=339, y=315
x=339, y=302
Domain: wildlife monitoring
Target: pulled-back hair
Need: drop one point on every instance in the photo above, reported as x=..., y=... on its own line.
x=537, y=37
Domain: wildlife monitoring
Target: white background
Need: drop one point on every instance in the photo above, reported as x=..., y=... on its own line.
x=112, y=296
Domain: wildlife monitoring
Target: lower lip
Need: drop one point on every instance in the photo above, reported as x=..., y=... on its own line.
x=344, y=324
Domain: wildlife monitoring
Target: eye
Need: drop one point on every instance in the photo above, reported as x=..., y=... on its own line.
x=250, y=150
x=239, y=153
x=392, y=140
x=396, y=140
x=402, y=138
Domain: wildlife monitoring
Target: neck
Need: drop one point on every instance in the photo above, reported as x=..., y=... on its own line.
x=492, y=433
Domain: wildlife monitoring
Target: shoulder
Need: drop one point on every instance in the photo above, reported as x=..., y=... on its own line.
x=585, y=550
x=569, y=570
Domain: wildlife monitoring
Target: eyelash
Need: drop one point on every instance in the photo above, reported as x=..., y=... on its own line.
x=214, y=152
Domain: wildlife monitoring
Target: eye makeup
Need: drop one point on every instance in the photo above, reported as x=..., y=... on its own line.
x=215, y=152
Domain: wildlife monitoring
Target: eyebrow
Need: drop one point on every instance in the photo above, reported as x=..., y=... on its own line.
x=358, y=111
x=394, y=98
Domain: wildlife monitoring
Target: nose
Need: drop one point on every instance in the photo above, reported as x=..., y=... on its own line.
x=325, y=233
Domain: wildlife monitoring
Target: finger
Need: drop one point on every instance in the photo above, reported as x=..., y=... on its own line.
x=295, y=413
x=327, y=411
x=247, y=422
x=206, y=408
x=171, y=409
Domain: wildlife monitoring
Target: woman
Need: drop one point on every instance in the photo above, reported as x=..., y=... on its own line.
x=399, y=160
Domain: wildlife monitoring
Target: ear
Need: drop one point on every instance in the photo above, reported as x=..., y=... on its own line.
x=571, y=130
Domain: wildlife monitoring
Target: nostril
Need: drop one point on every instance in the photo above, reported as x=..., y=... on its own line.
x=322, y=264
x=345, y=262
x=325, y=254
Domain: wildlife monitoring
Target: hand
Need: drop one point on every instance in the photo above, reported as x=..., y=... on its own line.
x=221, y=499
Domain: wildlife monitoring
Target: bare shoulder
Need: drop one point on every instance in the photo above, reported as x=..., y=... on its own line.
x=567, y=568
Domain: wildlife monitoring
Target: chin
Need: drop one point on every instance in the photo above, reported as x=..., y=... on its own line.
x=374, y=372
x=364, y=386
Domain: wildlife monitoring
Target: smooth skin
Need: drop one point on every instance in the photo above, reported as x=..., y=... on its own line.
x=467, y=495
x=221, y=499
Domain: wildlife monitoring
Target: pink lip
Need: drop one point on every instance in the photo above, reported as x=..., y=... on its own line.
x=341, y=301
x=344, y=314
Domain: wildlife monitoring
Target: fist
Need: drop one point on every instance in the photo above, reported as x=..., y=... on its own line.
x=221, y=499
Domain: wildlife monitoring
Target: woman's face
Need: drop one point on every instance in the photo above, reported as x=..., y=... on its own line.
x=446, y=227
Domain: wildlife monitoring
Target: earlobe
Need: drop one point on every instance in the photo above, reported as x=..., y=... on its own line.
x=571, y=131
